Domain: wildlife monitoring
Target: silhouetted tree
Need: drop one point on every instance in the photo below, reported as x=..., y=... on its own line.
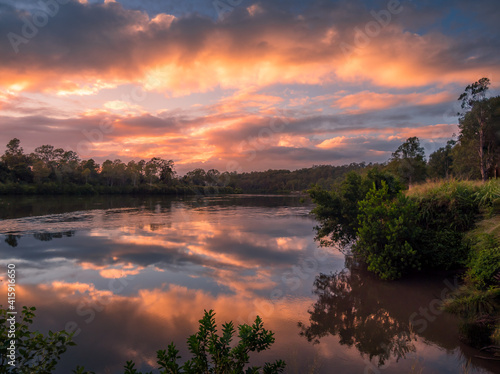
x=480, y=125
x=440, y=163
x=17, y=162
x=408, y=161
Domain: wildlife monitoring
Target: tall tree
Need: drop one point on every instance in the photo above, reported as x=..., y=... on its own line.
x=479, y=124
x=167, y=172
x=196, y=177
x=441, y=161
x=213, y=177
x=408, y=161
x=17, y=162
x=152, y=169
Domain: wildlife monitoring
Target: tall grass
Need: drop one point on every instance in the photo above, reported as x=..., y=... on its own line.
x=485, y=194
x=470, y=211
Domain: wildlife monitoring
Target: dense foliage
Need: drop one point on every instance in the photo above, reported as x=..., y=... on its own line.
x=484, y=263
x=477, y=302
x=388, y=234
x=424, y=229
x=395, y=232
x=429, y=227
x=445, y=212
x=50, y=170
x=337, y=209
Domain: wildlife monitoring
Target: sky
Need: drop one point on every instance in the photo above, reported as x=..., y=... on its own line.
x=241, y=85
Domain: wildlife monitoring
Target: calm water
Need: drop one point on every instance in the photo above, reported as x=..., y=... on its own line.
x=130, y=275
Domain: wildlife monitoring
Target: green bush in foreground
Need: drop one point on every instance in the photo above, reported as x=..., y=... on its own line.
x=212, y=354
x=445, y=213
x=35, y=352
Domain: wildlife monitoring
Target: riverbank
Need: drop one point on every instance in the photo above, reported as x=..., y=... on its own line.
x=88, y=189
x=477, y=301
x=443, y=225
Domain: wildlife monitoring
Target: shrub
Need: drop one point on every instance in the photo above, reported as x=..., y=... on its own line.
x=213, y=354
x=36, y=353
x=484, y=263
x=470, y=303
x=387, y=234
x=337, y=210
x=39, y=354
x=448, y=206
x=442, y=249
x=445, y=212
x=488, y=195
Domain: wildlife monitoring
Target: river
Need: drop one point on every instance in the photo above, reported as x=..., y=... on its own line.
x=129, y=275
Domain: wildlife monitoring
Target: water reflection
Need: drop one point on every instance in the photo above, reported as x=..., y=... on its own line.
x=11, y=239
x=346, y=307
x=130, y=275
x=375, y=317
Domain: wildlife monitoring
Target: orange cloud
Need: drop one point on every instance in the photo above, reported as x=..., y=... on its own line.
x=168, y=55
x=114, y=271
x=431, y=132
x=338, y=141
x=367, y=100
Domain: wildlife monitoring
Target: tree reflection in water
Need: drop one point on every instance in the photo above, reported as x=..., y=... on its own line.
x=346, y=307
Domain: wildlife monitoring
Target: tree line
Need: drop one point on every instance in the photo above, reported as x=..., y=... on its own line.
x=473, y=155
x=54, y=170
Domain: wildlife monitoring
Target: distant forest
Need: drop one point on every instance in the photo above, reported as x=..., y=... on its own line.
x=53, y=170
x=49, y=170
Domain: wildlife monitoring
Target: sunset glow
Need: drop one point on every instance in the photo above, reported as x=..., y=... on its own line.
x=268, y=84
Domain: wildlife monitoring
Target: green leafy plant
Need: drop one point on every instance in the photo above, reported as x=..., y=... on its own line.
x=445, y=212
x=337, y=210
x=483, y=266
x=213, y=354
x=387, y=233
x=36, y=353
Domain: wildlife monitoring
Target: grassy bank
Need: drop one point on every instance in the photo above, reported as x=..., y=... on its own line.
x=434, y=226
x=477, y=302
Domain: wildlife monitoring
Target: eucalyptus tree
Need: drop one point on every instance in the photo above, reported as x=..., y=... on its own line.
x=479, y=125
